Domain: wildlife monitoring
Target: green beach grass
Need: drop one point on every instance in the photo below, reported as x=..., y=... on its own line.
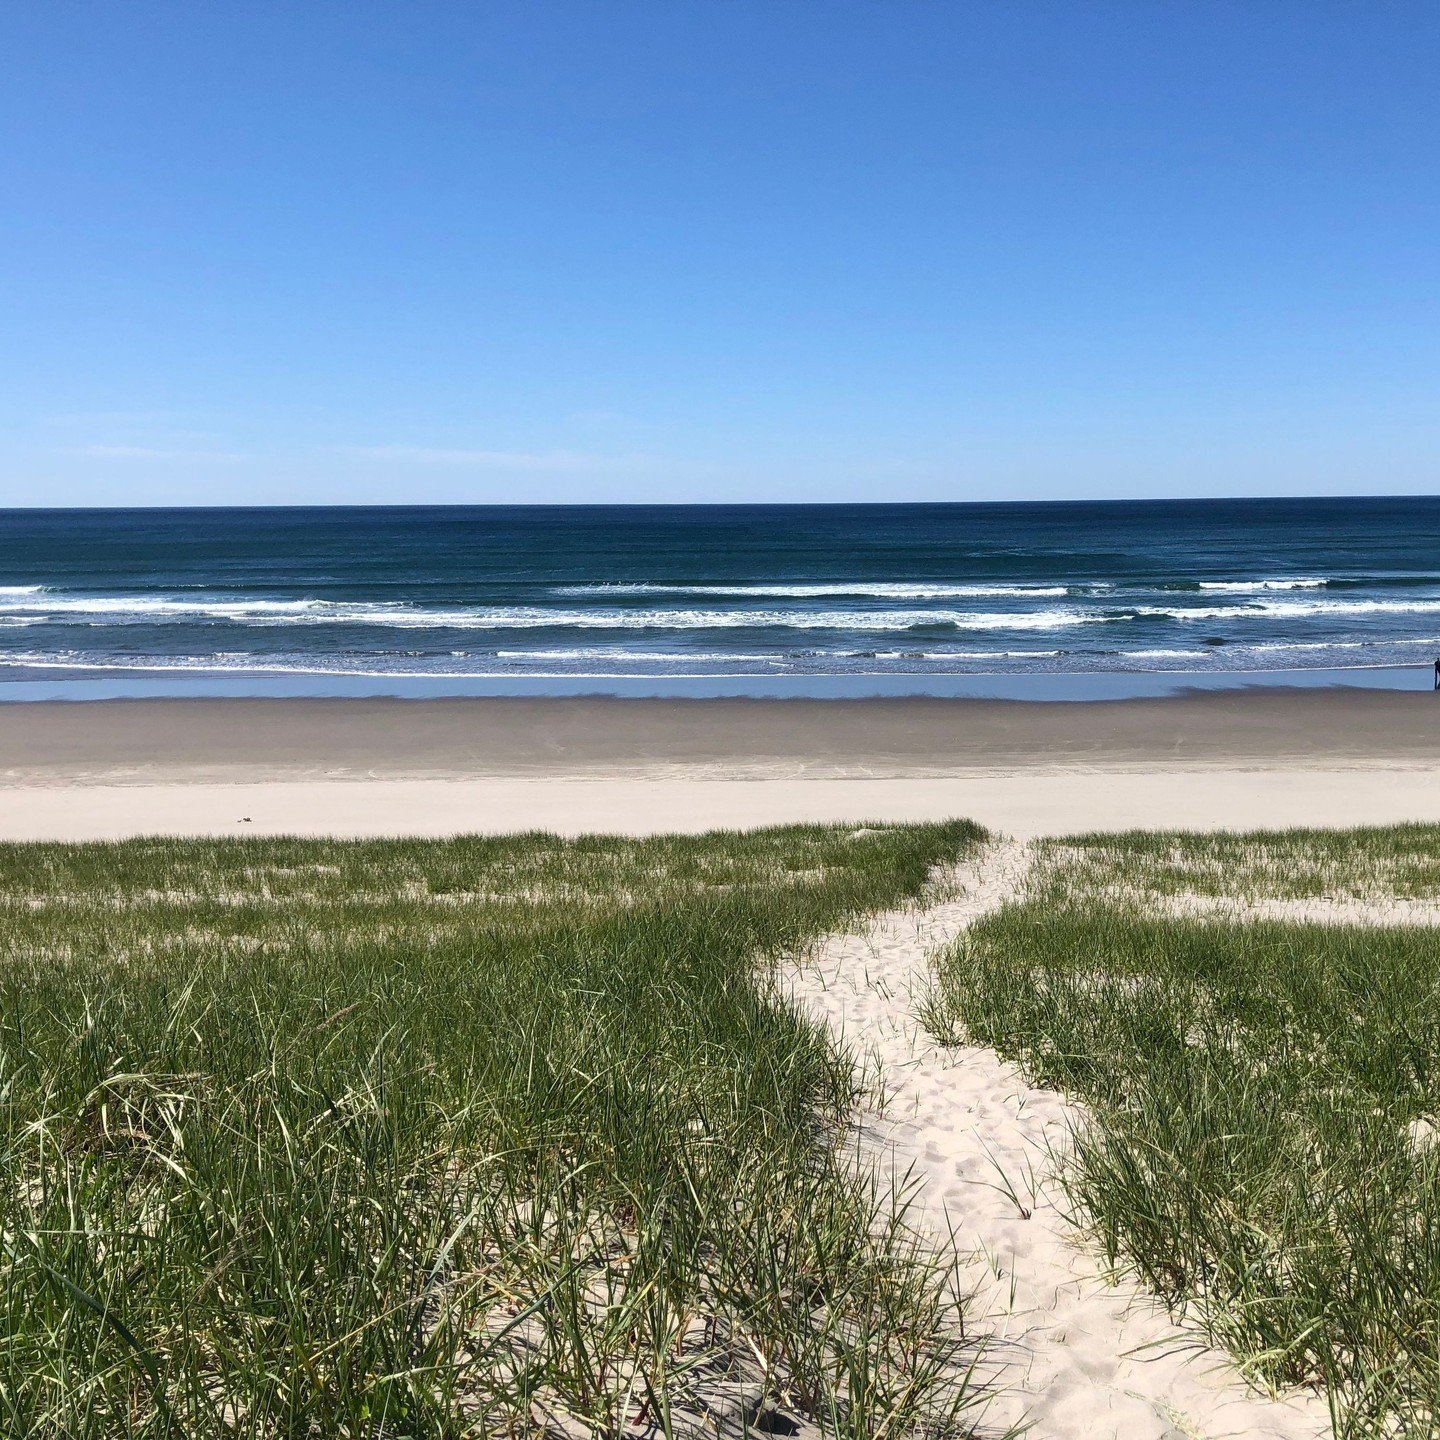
x=1397, y=862
x=1262, y=1095
x=442, y=1138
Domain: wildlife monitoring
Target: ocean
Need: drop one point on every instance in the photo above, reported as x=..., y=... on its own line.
x=1198, y=587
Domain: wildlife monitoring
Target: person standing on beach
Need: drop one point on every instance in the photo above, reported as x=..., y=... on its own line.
x=1437, y=674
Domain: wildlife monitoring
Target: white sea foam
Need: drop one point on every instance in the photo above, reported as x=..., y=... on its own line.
x=608, y=652
x=1406, y=640
x=967, y=654
x=688, y=656
x=1286, y=609
x=39, y=607
x=871, y=589
x=1247, y=587
x=527, y=617
x=377, y=666
x=18, y=601
x=604, y=658
x=534, y=617
x=1165, y=654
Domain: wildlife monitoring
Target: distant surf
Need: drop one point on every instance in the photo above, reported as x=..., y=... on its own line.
x=786, y=590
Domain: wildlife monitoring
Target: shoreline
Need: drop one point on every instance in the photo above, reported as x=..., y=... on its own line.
x=108, y=769
x=38, y=684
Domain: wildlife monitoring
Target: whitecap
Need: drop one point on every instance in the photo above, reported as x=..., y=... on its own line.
x=1245, y=587
x=874, y=589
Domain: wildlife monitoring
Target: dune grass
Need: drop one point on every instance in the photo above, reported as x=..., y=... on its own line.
x=1262, y=1095
x=1372, y=863
x=445, y=1138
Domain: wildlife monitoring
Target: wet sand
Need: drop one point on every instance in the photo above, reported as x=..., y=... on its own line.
x=109, y=768
x=236, y=739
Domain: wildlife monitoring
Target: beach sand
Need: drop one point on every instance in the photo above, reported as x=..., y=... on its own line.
x=106, y=769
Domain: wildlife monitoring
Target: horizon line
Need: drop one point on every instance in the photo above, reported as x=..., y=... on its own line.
x=715, y=504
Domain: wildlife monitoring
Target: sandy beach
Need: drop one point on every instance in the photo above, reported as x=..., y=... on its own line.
x=107, y=769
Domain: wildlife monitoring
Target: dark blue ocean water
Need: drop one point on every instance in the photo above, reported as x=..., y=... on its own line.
x=773, y=590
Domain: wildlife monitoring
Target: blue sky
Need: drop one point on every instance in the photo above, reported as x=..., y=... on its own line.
x=655, y=250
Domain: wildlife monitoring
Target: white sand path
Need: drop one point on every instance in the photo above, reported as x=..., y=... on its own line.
x=1078, y=1355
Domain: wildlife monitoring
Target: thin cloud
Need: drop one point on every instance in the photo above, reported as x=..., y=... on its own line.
x=564, y=460
x=171, y=422
x=150, y=452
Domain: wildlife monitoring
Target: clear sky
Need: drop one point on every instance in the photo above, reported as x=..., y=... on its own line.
x=337, y=251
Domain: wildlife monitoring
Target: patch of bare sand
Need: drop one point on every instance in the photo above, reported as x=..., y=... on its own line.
x=1308, y=910
x=1077, y=1354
